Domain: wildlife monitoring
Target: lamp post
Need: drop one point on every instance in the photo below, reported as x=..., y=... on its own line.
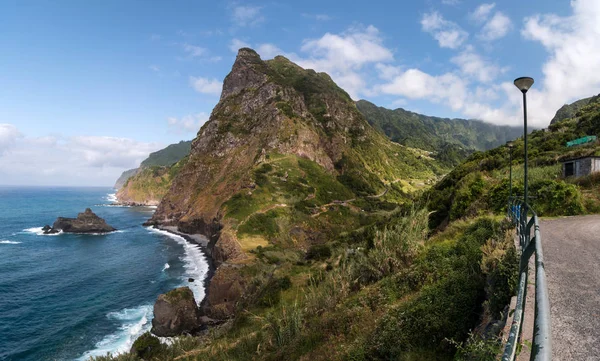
x=523, y=84
x=510, y=148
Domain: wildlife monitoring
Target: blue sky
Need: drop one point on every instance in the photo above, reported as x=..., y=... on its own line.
x=89, y=88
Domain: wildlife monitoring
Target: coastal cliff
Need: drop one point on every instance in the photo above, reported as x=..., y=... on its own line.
x=285, y=160
x=147, y=184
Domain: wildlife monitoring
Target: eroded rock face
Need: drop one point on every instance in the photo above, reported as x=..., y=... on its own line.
x=175, y=313
x=86, y=222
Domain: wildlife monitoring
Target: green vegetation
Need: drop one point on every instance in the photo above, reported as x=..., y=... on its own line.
x=168, y=156
x=451, y=140
x=569, y=111
x=394, y=295
x=481, y=183
x=152, y=183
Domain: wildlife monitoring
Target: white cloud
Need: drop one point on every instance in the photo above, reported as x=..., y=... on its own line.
x=206, y=86
x=473, y=65
x=193, y=51
x=451, y=90
x=482, y=13
x=246, y=15
x=451, y=2
x=268, y=51
x=344, y=55
x=237, y=44
x=154, y=68
x=319, y=17
x=387, y=71
x=447, y=33
x=79, y=160
x=571, y=71
x=497, y=27
x=188, y=123
x=8, y=136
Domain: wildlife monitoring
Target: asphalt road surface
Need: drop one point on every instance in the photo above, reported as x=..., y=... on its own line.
x=572, y=259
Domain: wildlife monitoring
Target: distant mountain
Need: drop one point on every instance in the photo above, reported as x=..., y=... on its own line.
x=162, y=158
x=452, y=139
x=124, y=177
x=169, y=155
x=569, y=111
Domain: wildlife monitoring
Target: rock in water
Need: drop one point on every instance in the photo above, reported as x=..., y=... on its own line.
x=175, y=313
x=86, y=222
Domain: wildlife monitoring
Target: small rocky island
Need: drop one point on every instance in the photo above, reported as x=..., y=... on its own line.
x=86, y=222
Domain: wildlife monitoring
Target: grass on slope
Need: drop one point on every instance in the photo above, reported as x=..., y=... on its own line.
x=481, y=184
x=394, y=294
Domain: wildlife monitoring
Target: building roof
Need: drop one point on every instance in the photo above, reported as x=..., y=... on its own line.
x=581, y=157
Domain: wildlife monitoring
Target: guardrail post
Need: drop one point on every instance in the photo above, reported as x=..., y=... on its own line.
x=541, y=350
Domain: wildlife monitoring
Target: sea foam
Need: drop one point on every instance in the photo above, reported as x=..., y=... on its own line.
x=38, y=231
x=4, y=241
x=111, y=197
x=196, y=266
x=134, y=322
x=166, y=267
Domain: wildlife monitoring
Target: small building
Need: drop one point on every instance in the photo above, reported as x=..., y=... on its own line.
x=579, y=167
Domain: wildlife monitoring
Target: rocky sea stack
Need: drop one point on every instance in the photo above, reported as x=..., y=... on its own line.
x=86, y=222
x=175, y=313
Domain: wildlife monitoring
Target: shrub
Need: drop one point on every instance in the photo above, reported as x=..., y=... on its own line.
x=556, y=198
x=147, y=346
x=318, y=252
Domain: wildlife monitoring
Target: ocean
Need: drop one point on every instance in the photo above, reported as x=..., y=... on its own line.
x=72, y=296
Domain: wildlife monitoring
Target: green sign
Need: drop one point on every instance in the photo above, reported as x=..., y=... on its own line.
x=586, y=139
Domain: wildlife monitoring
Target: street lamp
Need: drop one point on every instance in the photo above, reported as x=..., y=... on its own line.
x=510, y=148
x=524, y=83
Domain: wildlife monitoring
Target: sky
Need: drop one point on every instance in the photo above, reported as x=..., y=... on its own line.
x=90, y=88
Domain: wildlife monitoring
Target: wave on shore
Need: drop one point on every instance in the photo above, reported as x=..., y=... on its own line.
x=39, y=231
x=111, y=197
x=196, y=266
x=5, y=241
x=134, y=322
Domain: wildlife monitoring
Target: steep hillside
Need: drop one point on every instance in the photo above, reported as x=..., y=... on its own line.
x=481, y=183
x=124, y=177
x=168, y=156
x=149, y=183
x=320, y=251
x=285, y=160
x=452, y=140
x=569, y=111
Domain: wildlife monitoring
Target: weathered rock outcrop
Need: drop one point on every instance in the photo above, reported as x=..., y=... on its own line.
x=175, y=313
x=275, y=110
x=86, y=222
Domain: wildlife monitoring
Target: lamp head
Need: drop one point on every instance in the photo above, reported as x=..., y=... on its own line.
x=524, y=83
x=510, y=145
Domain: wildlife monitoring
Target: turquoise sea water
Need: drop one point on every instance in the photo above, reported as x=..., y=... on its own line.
x=69, y=296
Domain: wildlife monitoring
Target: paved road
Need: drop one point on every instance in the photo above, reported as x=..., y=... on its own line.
x=572, y=257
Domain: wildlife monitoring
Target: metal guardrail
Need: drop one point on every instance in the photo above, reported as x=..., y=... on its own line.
x=525, y=218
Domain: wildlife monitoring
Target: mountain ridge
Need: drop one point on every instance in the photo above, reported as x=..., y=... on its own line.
x=454, y=139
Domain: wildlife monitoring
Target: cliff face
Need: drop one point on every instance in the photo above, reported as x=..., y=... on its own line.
x=569, y=111
x=149, y=183
x=124, y=177
x=285, y=159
